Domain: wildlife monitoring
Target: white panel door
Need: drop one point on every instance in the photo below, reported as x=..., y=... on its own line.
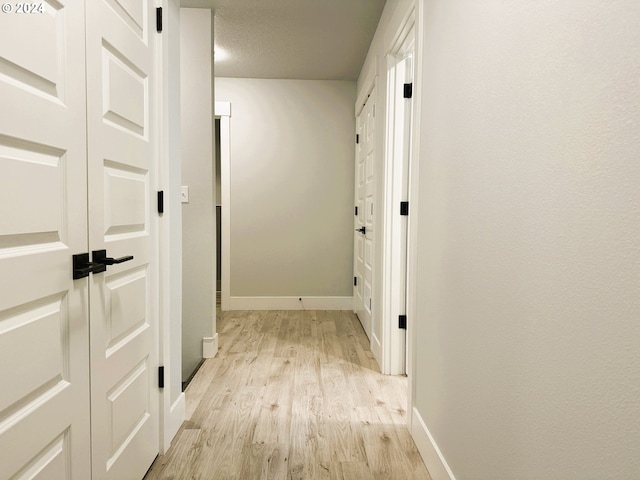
x=44, y=334
x=364, y=235
x=121, y=163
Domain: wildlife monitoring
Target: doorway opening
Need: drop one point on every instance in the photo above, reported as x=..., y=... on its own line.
x=218, y=213
x=222, y=118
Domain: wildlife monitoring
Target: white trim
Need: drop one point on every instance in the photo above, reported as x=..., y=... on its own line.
x=173, y=421
x=290, y=303
x=412, y=292
x=168, y=226
x=395, y=189
x=370, y=83
x=428, y=448
x=223, y=110
x=210, y=346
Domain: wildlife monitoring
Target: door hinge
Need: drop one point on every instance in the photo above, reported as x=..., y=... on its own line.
x=159, y=19
x=160, y=377
x=408, y=90
x=404, y=208
x=355, y=281
x=356, y=210
x=161, y=201
x=402, y=322
x=357, y=138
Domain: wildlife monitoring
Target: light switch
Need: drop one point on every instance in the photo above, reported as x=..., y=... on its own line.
x=185, y=194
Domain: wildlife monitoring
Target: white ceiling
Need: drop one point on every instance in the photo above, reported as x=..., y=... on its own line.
x=296, y=39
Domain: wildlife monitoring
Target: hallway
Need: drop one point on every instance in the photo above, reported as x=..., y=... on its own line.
x=292, y=395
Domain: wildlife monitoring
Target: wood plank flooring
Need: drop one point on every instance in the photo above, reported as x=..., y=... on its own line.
x=292, y=395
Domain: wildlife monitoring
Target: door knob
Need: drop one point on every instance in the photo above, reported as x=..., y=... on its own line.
x=362, y=230
x=100, y=257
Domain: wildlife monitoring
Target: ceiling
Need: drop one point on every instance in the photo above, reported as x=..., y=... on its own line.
x=295, y=39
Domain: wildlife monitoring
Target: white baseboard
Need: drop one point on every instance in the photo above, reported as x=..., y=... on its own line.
x=431, y=454
x=210, y=346
x=173, y=422
x=290, y=303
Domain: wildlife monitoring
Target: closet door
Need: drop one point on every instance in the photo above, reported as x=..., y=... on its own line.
x=44, y=335
x=121, y=163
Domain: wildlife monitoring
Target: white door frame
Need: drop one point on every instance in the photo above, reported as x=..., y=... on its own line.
x=394, y=235
x=223, y=111
x=414, y=420
x=172, y=410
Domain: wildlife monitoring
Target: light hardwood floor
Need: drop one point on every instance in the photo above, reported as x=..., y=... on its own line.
x=292, y=395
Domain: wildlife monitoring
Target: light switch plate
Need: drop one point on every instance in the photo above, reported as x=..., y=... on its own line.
x=184, y=194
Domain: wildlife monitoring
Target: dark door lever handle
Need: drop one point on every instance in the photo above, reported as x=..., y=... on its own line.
x=112, y=261
x=100, y=256
x=362, y=230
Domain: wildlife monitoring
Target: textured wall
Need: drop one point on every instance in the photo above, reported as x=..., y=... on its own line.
x=529, y=267
x=292, y=174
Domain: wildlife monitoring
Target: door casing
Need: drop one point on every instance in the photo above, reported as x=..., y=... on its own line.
x=396, y=189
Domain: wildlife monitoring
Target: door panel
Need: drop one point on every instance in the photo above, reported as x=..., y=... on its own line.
x=363, y=243
x=44, y=361
x=38, y=63
x=124, y=392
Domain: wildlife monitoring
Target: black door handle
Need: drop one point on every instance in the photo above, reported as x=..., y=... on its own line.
x=82, y=267
x=362, y=230
x=100, y=257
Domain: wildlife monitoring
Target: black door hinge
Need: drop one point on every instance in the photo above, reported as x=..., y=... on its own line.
x=402, y=322
x=161, y=201
x=408, y=90
x=356, y=211
x=159, y=19
x=355, y=281
x=404, y=208
x=357, y=138
x=160, y=377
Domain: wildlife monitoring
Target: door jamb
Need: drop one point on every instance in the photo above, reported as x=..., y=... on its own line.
x=222, y=110
x=169, y=225
x=412, y=233
x=391, y=278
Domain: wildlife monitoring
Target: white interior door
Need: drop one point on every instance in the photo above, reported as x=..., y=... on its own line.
x=44, y=333
x=121, y=165
x=364, y=235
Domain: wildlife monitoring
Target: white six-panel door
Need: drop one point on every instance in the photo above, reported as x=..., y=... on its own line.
x=365, y=190
x=44, y=332
x=77, y=357
x=121, y=156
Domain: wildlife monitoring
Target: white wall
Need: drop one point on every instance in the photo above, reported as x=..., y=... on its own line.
x=196, y=66
x=292, y=173
x=529, y=218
